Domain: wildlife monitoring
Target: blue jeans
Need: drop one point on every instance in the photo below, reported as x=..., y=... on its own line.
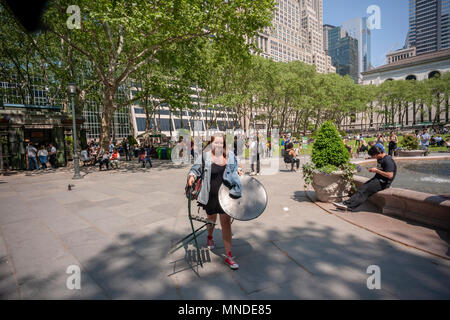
x=43, y=160
x=33, y=165
x=145, y=162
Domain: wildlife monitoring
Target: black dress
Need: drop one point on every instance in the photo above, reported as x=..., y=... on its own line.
x=213, y=206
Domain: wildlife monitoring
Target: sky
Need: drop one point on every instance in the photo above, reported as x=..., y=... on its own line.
x=394, y=22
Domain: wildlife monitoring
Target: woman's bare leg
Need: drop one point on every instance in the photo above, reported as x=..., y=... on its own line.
x=213, y=218
x=225, y=222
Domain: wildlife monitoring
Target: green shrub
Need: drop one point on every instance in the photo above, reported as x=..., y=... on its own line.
x=410, y=142
x=69, y=140
x=131, y=140
x=328, y=149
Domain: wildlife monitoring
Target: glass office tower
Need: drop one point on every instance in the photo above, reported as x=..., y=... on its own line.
x=429, y=25
x=343, y=51
x=358, y=29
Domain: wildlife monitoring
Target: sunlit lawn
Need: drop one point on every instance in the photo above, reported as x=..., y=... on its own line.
x=307, y=149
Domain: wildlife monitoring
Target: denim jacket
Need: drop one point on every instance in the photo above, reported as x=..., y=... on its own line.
x=230, y=177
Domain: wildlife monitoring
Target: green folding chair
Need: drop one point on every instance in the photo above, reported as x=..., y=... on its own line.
x=192, y=237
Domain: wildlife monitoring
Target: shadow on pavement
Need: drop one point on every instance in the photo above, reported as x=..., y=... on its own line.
x=314, y=263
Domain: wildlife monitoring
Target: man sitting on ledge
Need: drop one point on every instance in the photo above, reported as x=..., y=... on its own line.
x=384, y=175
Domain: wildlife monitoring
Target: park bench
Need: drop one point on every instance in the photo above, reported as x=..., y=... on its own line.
x=428, y=209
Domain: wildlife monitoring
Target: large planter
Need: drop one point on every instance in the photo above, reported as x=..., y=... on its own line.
x=411, y=153
x=330, y=187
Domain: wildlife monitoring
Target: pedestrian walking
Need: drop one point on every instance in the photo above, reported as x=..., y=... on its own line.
x=31, y=153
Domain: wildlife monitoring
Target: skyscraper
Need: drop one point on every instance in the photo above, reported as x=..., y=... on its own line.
x=429, y=25
x=445, y=24
x=326, y=28
x=297, y=34
x=358, y=29
x=411, y=37
x=343, y=51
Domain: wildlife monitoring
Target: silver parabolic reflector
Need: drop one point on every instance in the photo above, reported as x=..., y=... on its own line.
x=248, y=207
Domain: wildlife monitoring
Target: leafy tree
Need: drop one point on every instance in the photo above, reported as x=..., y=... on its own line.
x=119, y=37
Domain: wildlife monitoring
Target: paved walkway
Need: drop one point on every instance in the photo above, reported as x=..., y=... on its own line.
x=118, y=225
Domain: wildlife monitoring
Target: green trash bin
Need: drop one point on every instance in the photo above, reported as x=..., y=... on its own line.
x=169, y=153
x=159, y=151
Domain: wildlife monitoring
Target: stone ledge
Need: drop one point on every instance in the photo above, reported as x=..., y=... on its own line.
x=432, y=210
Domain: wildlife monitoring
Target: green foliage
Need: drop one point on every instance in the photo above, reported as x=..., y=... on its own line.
x=308, y=172
x=410, y=142
x=169, y=46
x=118, y=38
x=69, y=140
x=328, y=148
x=329, y=155
x=131, y=140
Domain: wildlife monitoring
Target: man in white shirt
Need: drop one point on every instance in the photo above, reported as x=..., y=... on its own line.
x=425, y=140
x=256, y=150
x=31, y=153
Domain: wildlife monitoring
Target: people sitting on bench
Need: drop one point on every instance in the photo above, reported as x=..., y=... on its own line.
x=439, y=141
x=291, y=157
x=115, y=157
x=363, y=148
x=105, y=160
x=84, y=157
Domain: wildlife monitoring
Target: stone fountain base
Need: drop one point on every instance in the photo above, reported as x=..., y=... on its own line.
x=411, y=153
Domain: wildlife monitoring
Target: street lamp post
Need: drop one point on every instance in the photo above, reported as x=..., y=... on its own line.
x=72, y=89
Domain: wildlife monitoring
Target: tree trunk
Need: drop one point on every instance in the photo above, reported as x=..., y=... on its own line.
x=107, y=115
x=113, y=125
x=170, y=123
x=181, y=118
x=446, y=108
x=147, y=116
x=159, y=118
x=130, y=124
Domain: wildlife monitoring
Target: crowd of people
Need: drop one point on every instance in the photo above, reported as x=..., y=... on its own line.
x=390, y=142
x=38, y=159
x=94, y=154
x=44, y=156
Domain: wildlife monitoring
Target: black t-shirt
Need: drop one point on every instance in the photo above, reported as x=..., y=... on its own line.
x=387, y=164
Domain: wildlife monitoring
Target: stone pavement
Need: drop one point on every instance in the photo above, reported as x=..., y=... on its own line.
x=410, y=233
x=118, y=226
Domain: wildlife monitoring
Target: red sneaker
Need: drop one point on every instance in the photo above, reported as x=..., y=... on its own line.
x=210, y=243
x=231, y=263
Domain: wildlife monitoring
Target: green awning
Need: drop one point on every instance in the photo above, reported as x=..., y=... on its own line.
x=30, y=106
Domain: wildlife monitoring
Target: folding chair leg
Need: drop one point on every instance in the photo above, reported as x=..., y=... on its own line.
x=196, y=244
x=187, y=239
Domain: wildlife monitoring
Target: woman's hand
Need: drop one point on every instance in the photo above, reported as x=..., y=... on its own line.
x=240, y=172
x=191, y=180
